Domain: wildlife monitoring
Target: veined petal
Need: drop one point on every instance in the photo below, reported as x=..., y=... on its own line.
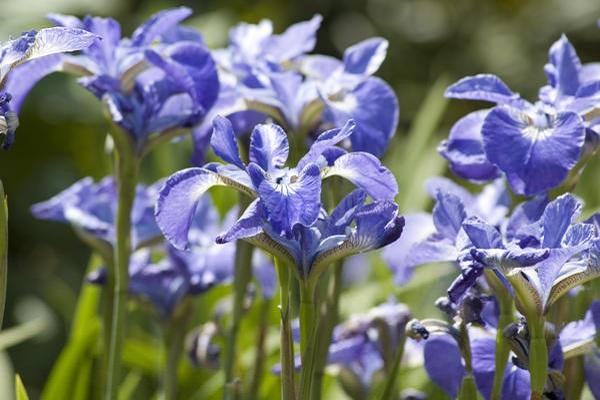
x=514, y=257
x=178, y=199
x=326, y=140
x=58, y=40
x=377, y=225
x=485, y=87
x=366, y=172
x=269, y=146
x=68, y=21
x=374, y=107
x=443, y=363
x=577, y=337
x=534, y=157
x=343, y=214
x=223, y=142
x=158, y=24
x=481, y=234
x=464, y=149
x=289, y=203
x=524, y=215
x=249, y=224
x=365, y=58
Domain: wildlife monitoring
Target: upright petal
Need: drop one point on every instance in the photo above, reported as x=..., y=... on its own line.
x=464, y=149
x=269, y=146
x=343, y=214
x=298, y=39
x=558, y=217
x=223, y=142
x=448, y=215
x=325, y=141
x=481, y=234
x=364, y=58
x=483, y=87
x=366, y=172
x=524, y=215
x=535, y=156
x=563, y=69
x=158, y=24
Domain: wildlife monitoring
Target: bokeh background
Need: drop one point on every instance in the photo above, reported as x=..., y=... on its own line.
x=432, y=43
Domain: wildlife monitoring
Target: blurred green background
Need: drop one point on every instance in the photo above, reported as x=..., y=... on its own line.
x=432, y=43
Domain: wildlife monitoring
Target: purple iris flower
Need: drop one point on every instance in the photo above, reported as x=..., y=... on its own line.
x=265, y=74
x=548, y=255
x=190, y=272
x=578, y=338
x=27, y=59
x=439, y=237
x=534, y=145
x=91, y=209
x=445, y=366
x=287, y=200
x=160, y=79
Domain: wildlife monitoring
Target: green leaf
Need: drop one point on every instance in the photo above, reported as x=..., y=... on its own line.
x=17, y=334
x=85, y=330
x=3, y=251
x=21, y=393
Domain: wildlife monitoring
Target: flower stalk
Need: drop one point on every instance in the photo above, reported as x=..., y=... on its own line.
x=505, y=304
x=308, y=337
x=3, y=251
x=174, y=340
x=127, y=173
x=288, y=390
x=241, y=279
x=538, y=357
x=259, y=360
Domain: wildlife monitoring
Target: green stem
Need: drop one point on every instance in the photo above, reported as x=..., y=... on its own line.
x=259, y=360
x=288, y=391
x=505, y=303
x=241, y=279
x=390, y=385
x=175, y=338
x=538, y=356
x=328, y=321
x=3, y=251
x=127, y=172
x=468, y=389
x=308, y=325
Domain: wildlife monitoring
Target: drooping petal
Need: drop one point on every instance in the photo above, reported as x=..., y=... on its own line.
x=443, y=363
x=54, y=208
x=483, y=87
x=68, y=21
x=513, y=257
x=177, y=202
x=374, y=107
x=364, y=58
x=464, y=149
x=483, y=361
x=103, y=51
x=269, y=146
x=448, y=215
x=366, y=172
x=577, y=337
x=535, y=157
x=516, y=385
x=289, y=203
x=377, y=225
x=223, y=142
x=591, y=368
x=249, y=224
x=563, y=69
x=24, y=77
x=158, y=24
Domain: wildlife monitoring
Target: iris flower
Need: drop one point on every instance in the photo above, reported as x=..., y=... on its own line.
x=91, y=209
x=271, y=74
x=535, y=145
x=160, y=79
x=27, y=59
x=286, y=217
